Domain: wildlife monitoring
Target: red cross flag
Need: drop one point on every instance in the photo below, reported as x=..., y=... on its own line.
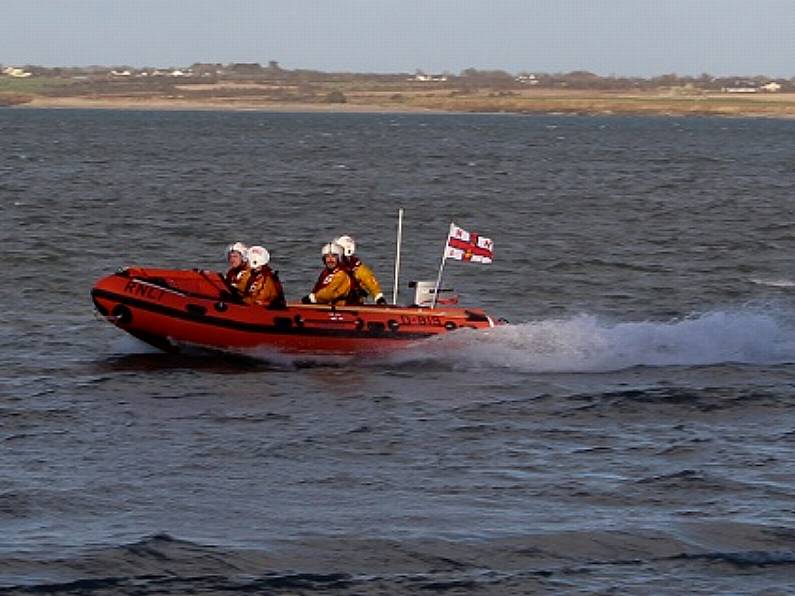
x=465, y=246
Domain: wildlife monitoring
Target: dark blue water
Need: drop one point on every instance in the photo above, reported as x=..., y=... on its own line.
x=632, y=429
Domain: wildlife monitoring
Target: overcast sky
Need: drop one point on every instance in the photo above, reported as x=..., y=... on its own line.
x=621, y=37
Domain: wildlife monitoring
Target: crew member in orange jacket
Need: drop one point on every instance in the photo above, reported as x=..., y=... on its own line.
x=334, y=283
x=262, y=285
x=238, y=266
x=365, y=281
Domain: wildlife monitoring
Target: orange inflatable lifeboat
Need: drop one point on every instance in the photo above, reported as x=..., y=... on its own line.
x=173, y=308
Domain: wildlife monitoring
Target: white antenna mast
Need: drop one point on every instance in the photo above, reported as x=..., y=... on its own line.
x=397, y=256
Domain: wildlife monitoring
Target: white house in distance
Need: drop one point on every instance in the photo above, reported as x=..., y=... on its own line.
x=17, y=73
x=426, y=78
x=527, y=79
x=743, y=87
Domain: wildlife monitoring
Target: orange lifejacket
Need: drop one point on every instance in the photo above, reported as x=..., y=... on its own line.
x=357, y=293
x=263, y=287
x=234, y=275
x=364, y=281
x=333, y=286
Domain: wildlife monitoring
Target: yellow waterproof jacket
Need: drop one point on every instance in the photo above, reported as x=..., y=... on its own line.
x=332, y=287
x=237, y=277
x=262, y=288
x=365, y=279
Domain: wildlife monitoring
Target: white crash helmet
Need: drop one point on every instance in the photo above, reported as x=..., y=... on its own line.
x=258, y=256
x=332, y=248
x=237, y=247
x=348, y=245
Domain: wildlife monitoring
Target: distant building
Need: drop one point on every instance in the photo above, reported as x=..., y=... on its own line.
x=204, y=69
x=17, y=73
x=527, y=79
x=741, y=87
x=244, y=68
x=426, y=78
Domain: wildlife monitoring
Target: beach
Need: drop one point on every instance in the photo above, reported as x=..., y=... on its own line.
x=532, y=101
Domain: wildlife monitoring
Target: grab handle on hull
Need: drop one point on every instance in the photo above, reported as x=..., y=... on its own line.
x=196, y=309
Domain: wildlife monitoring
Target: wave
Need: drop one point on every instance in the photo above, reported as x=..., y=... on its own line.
x=584, y=560
x=579, y=344
x=774, y=283
x=586, y=344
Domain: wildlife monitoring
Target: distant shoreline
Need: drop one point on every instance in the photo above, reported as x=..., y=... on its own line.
x=780, y=106
x=194, y=105
x=254, y=87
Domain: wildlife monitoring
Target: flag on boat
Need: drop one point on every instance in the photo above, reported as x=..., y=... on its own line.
x=466, y=246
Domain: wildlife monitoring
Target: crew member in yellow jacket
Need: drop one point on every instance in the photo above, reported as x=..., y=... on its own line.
x=365, y=282
x=261, y=284
x=238, y=271
x=334, y=284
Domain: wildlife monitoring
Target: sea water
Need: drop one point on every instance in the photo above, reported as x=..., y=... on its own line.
x=630, y=430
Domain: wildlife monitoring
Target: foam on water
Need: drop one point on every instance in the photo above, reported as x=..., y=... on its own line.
x=584, y=343
x=121, y=464
x=774, y=283
x=587, y=344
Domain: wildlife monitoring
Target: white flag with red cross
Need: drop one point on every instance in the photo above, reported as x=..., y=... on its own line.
x=466, y=246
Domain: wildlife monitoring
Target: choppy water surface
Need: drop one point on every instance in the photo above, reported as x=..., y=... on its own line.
x=632, y=430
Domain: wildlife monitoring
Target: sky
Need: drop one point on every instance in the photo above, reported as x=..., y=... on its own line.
x=608, y=37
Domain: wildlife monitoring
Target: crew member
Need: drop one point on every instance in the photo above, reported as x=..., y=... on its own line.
x=334, y=283
x=262, y=285
x=238, y=271
x=365, y=281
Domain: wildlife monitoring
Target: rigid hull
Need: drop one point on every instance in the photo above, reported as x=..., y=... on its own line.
x=171, y=308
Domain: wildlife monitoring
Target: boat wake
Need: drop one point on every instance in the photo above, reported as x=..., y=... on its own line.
x=587, y=344
x=774, y=283
x=580, y=344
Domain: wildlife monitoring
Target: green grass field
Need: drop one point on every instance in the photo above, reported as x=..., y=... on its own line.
x=32, y=85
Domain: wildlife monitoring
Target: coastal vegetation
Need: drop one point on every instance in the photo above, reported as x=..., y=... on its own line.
x=253, y=86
